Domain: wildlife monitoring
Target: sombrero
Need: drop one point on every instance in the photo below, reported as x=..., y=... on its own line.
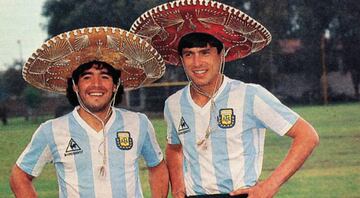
x=164, y=25
x=52, y=64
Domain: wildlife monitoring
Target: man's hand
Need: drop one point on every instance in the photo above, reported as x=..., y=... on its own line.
x=260, y=190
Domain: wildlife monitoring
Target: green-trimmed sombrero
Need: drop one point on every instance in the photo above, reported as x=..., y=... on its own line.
x=52, y=64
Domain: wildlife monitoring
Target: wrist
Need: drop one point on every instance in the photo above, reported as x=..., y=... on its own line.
x=178, y=193
x=271, y=185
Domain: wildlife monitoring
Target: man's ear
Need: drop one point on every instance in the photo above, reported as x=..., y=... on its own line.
x=116, y=86
x=223, y=51
x=75, y=88
x=182, y=60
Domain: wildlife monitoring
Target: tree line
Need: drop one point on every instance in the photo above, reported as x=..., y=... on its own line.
x=306, y=20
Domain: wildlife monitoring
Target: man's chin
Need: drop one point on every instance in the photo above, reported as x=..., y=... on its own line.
x=97, y=109
x=200, y=83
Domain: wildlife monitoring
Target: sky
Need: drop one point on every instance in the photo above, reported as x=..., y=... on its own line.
x=21, y=29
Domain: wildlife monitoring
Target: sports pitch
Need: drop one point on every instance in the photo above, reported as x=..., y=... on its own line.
x=332, y=171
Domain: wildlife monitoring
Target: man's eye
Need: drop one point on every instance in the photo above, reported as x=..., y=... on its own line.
x=106, y=77
x=86, y=77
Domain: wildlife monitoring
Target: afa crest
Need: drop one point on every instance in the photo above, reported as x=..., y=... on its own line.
x=226, y=118
x=124, y=140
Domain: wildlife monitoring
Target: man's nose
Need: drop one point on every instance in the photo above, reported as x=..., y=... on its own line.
x=196, y=60
x=97, y=81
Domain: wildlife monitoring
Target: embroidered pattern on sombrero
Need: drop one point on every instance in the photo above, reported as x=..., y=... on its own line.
x=164, y=25
x=52, y=64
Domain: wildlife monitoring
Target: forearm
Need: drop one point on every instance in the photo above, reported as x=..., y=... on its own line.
x=159, y=180
x=293, y=161
x=174, y=159
x=21, y=184
x=301, y=148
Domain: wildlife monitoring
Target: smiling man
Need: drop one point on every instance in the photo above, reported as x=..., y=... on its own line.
x=95, y=148
x=216, y=125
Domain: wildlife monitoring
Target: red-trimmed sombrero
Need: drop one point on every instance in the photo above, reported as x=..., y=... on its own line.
x=52, y=64
x=165, y=24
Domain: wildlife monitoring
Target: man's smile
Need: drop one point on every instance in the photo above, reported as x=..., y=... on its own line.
x=199, y=71
x=96, y=94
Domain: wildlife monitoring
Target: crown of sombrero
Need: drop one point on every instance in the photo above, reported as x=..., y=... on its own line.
x=52, y=64
x=164, y=25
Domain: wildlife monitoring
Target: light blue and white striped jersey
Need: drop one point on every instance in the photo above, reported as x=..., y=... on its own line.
x=77, y=153
x=234, y=153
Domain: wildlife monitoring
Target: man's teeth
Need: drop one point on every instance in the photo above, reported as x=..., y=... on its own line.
x=96, y=94
x=199, y=72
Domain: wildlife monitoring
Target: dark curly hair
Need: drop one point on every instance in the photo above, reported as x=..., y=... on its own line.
x=114, y=73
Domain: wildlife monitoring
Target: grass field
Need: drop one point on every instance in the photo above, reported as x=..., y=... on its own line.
x=332, y=171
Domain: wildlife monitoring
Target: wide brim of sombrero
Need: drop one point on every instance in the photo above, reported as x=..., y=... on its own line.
x=165, y=24
x=53, y=63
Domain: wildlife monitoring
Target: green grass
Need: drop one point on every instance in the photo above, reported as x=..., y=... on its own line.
x=332, y=171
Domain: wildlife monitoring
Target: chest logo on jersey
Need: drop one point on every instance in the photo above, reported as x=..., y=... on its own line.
x=124, y=140
x=226, y=118
x=183, y=127
x=73, y=148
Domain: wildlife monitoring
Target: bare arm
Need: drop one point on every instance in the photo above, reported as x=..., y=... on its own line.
x=174, y=159
x=305, y=139
x=21, y=183
x=159, y=180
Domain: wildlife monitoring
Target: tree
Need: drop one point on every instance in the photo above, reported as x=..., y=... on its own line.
x=305, y=20
x=347, y=30
x=32, y=97
x=66, y=15
x=12, y=82
x=3, y=108
x=11, y=86
x=261, y=67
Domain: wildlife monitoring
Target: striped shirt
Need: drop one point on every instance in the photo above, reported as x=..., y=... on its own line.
x=234, y=151
x=77, y=150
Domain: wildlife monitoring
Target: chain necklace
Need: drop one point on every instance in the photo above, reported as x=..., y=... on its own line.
x=209, y=129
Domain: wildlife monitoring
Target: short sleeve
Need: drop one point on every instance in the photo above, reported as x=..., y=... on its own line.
x=172, y=136
x=150, y=150
x=37, y=153
x=271, y=112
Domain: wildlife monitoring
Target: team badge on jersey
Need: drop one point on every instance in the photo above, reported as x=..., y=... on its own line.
x=183, y=127
x=226, y=118
x=73, y=148
x=124, y=140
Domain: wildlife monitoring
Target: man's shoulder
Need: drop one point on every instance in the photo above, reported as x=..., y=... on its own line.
x=238, y=83
x=126, y=112
x=50, y=123
x=123, y=111
x=65, y=116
